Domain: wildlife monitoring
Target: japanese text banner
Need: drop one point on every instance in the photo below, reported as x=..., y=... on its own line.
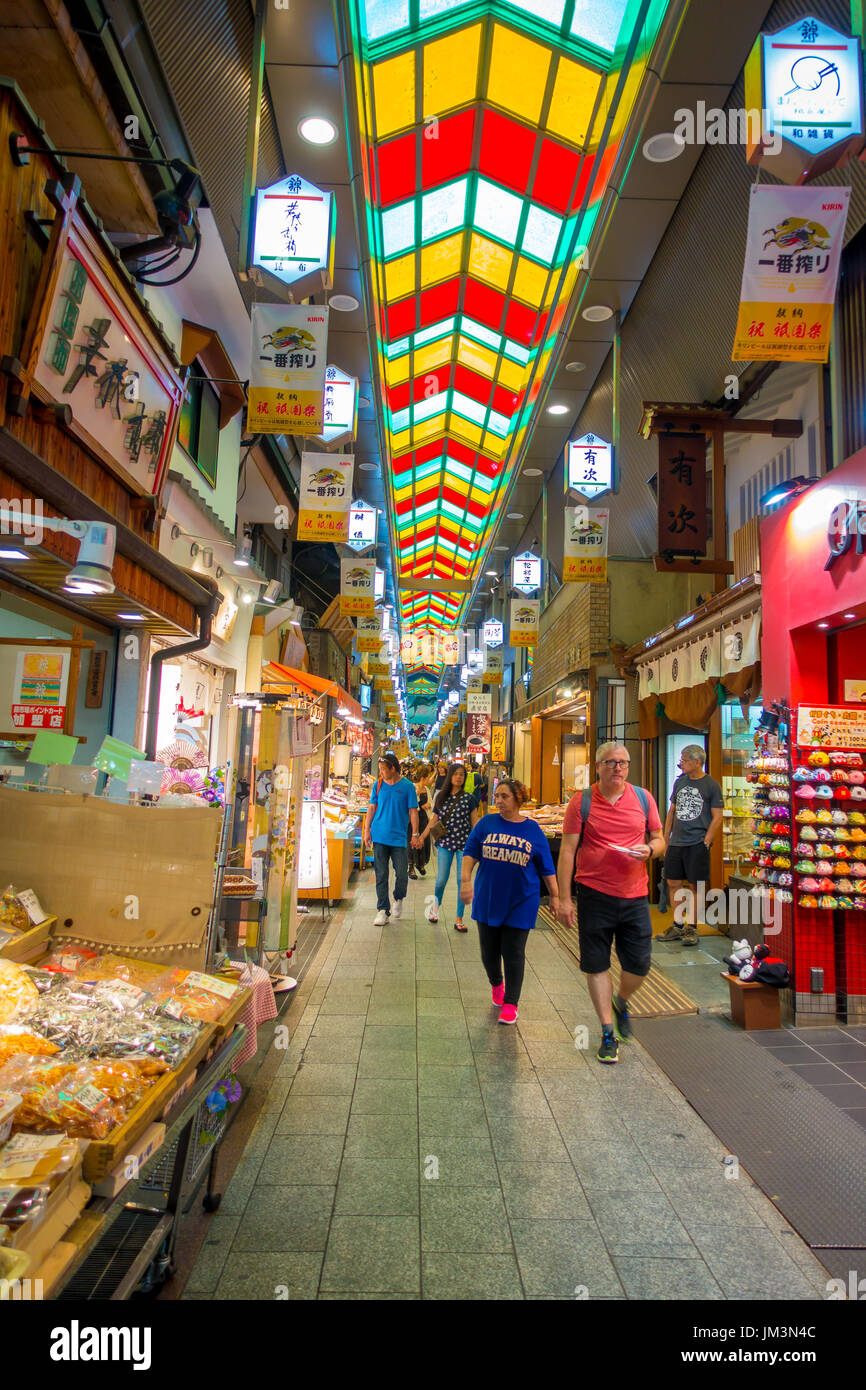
x=585, y=548
x=287, y=370
x=523, y=630
x=682, y=494
x=357, y=586
x=325, y=497
x=368, y=637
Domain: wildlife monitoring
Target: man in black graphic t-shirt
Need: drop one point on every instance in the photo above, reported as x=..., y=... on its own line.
x=693, y=821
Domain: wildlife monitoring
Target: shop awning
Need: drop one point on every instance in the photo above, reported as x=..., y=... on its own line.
x=276, y=674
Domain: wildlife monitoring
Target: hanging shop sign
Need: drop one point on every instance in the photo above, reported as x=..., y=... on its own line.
x=368, y=637
x=339, y=408
x=475, y=684
x=357, y=582
x=523, y=628
x=479, y=702
x=793, y=247
x=449, y=648
x=493, y=633
x=379, y=585
x=831, y=726
x=478, y=727
x=807, y=82
x=293, y=233
x=362, y=527
x=492, y=673
x=499, y=743
x=39, y=688
x=410, y=647
x=325, y=497
x=97, y=357
x=589, y=465
x=585, y=547
x=682, y=494
x=526, y=572
x=287, y=371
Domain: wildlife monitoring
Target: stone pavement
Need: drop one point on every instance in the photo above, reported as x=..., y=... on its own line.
x=410, y=1147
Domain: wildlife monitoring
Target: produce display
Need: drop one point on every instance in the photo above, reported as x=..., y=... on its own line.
x=549, y=818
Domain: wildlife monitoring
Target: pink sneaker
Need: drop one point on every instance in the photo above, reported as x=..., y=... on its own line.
x=509, y=1013
x=497, y=994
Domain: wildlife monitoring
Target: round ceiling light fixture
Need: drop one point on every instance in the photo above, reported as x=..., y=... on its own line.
x=344, y=303
x=575, y=366
x=368, y=467
x=317, y=131
x=532, y=472
x=514, y=516
x=597, y=313
x=662, y=148
x=557, y=410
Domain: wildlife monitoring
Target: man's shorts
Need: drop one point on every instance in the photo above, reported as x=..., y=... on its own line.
x=602, y=920
x=688, y=863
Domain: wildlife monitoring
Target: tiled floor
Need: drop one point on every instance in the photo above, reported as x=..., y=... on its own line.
x=410, y=1147
x=832, y=1059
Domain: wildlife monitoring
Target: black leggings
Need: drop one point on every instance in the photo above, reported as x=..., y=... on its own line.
x=504, y=946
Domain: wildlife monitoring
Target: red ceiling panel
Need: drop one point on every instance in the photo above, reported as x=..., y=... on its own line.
x=484, y=304
x=520, y=322
x=397, y=179
x=555, y=175
x=439, y=302
x=400, y=319
x=506, y=151
x=446, y=149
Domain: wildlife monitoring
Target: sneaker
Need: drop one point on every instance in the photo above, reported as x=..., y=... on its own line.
x=690, y=936
x=398, y=909
x=412, y=873
x=497, y=994
x=673, y=933
x=381, y=918
x=430, y=898
x=621, y=1021
x=608, y=1052
x=422, y=873
x=508, y=1014
x=430, y=912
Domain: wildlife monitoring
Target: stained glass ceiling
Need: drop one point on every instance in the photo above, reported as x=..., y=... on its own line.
x=488, y=134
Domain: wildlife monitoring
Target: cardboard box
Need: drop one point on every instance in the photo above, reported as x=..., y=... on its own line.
x=130, y=1165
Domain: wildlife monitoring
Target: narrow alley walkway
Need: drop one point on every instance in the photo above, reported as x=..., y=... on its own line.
x=410, y=1147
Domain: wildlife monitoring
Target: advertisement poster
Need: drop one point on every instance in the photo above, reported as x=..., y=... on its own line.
x=585, y=546
x=287, y=369
x=793, y=246
x=325, y=497
x=492, y=674
x=313, y=870
x=478, y=733
x=357, y=588
x=523, y=628
x=39, y=691
x=368, y=637
x=830, y=726
x=499, y=743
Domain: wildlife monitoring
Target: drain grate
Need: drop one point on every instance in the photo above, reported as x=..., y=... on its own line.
x=120, y=1258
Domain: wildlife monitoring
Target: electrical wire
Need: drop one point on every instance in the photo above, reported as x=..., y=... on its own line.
x=159, y=284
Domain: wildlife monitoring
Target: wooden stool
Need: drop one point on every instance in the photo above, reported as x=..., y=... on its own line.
x=753, y=1006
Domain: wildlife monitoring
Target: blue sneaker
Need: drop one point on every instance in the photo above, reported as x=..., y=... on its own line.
x=621, y=1020
x=608, y=1052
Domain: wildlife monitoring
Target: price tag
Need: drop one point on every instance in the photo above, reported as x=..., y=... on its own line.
x=211, y=984
x=90, y=1098
x=32, y=906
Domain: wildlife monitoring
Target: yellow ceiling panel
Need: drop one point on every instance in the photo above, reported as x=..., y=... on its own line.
x=529, y=281
x=397, y=371
x=400, y=277
x=451, y=71
x=433, y=355
x=511, y=375
x=394, y=93
x=441, y=260
x=489, y=262
x=518, y=73
x=574, y=94
x=479, y=359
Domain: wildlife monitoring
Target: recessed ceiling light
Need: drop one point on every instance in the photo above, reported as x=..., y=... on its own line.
x=597, y=313
x=514, y=516
x=317, y=130
x=575, y=366
x=823, y=624
x=557, y=410
x=532, y=472
x=13, y=555
x=661, y=148
x=132, y=617
x=344, y=303
x=849, y=615
x=368, y=467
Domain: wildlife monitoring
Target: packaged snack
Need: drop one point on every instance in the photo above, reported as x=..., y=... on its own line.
x=69, y=959
x=9, y=1103
x=37, y=1158
x=16, y=1040
x=21, y=1206
x=189, y=995
x=12, y=914
x=17, y=991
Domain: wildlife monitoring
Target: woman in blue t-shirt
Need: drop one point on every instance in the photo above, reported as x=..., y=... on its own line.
x=513, y=856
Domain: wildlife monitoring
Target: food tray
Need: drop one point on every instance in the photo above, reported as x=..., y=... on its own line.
x=30, y=944
x=239, y=886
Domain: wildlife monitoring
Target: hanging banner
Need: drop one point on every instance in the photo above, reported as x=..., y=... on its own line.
x=287, y=369
x=478, y=727
x=368, y=637
x=585, y=547
x=589, y=465
x=499, y=743
x=325, y=497
x=294, y=230
x=410, y=648
x=363, y=521
x=741, y=644
x=493, y=633
x=682, y=494
x=526, y=572
x=492, y=673
x=357, y=581
x=340, y=407
x=793, y=247
x=523, y=628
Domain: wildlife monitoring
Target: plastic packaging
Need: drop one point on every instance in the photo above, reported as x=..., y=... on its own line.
x=16, y=1039
x=9, y=1103
x=21, y=1206
x=69, y=959
x=17, y=991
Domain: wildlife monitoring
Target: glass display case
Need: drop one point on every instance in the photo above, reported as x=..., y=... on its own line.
x=738, y=744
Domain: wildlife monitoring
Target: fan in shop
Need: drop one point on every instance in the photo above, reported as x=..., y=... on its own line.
x=182, y=782
x=182, y=755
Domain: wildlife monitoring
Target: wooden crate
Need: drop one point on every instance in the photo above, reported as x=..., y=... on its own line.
x=30, y=945
x=224, y=1025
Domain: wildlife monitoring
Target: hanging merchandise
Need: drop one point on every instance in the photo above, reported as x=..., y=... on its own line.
x=287, y=371
x=523, y=628
x=791, y=268
x=357, y=588
x=325, y=497
x=585, y=548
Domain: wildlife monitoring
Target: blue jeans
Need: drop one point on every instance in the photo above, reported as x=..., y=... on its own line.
x=443, y=873
x=383, y=855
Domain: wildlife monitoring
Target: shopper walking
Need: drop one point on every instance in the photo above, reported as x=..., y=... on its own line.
x=452, y=809
x=441, y=774
x=606, y=829
x=393, y=806
x=513, y=856
x=418, y=857
x=693, y=821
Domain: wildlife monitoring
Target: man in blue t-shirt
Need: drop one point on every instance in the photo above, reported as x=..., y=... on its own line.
x=393, y=805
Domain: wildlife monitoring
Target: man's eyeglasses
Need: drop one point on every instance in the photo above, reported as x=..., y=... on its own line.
x=616, y=762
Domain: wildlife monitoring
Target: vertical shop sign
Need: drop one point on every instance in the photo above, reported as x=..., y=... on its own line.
x=682, y=494
x=368, y=637
x=793, y=247
x=339, y=408
x=362, y=527
x=585, y=546
x=589, y=465
x=294, y=230
x=357, y=583
x=523, y=629
x=325, y=497
x=39, y=690
x=526, y=572
x=499, y=743
x=287, y=371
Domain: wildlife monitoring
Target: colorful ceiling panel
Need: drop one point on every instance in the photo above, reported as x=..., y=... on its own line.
x=488, y=131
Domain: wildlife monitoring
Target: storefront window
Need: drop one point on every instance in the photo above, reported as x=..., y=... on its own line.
x=738, y=744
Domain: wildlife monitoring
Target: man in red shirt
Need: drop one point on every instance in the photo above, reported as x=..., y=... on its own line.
x=612, y=887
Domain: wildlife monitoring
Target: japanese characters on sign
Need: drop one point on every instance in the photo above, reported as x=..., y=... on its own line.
x=526, y=572
x=492, y=673
x=293, y=235
x=831, y=726
x=589, y=465
x=807, y=80
x=125, y=397
x=682, y=494
x=793, y=247
x=368, y=637
x=357, y=579
x=362, y=526
x=39, y=689
x=287, y=381
x=340, y=408
x=523, y=628
x=325, y=497
x=585, y=545
x=493, y=633
x=499, y=743
x=478, y=727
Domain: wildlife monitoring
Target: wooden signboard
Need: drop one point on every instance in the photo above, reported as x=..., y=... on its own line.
x=682, y=494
